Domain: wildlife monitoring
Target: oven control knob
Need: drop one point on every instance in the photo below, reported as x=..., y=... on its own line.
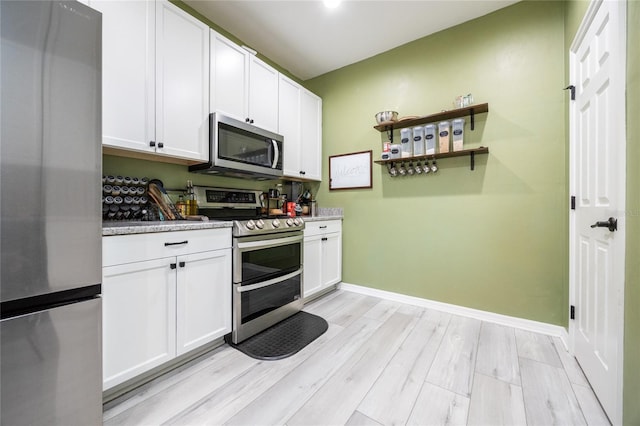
x=251, y=224
x=276, y=223
x=297, y=221
x=289, y=222
x=260, y=224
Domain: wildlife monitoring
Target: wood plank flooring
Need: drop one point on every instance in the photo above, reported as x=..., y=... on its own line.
x=379, y=363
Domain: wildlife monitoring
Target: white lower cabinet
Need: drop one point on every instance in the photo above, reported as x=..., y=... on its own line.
x=138, y=318
x=201, y=315
x=157, y=309
x=322, y=255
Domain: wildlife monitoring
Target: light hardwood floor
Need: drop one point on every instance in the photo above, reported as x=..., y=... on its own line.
x=379, y=363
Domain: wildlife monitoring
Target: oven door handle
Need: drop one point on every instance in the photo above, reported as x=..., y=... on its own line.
x=269, y=243
x=243, y=288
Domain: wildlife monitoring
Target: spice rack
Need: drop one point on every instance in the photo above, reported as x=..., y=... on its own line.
x=469, y=111
x=125, y=198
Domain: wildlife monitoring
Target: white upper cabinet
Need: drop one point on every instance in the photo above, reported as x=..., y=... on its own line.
x=182, y=83
x=289, y=125
x=242, y=86
x=263, y=95
x=155, y=80
x=300, y=122
x=311, y=135
x=128, y=65
x=229, y=78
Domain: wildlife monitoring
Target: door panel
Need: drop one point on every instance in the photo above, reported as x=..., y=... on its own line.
x=128, y=105
x=182, y=83
x=229, y=78
x=263, y=95
x=598, y=182
x=139, y=314
x=311, y=135
x=312, y=281
x=203, y=298
x=49, y=169
x=332, y=259
x=289, y=125
x=51, y=361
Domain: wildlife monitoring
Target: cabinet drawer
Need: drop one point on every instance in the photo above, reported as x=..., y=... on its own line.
x=322, y=227
x=120, y=249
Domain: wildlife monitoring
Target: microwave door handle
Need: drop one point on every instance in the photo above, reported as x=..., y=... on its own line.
x=276, y=154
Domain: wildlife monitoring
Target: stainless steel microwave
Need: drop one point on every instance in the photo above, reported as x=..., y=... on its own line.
x=240, y=149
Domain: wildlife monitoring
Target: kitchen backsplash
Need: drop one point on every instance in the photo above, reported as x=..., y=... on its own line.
x=330, y=211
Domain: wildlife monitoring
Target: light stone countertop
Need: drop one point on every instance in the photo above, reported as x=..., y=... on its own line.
x=110, y=228
x=319, y=218
x=142, y=227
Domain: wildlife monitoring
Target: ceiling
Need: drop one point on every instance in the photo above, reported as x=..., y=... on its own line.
x=308, y=39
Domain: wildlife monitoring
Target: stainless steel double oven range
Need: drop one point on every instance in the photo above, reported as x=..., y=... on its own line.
x=267, y=259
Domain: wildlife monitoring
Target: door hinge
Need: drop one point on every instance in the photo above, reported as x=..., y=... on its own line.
x=573, y=312
x=573, y=91
x=573, y=202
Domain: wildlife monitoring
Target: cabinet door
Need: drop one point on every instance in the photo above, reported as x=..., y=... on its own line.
x=128, y=67
x=312, y=279
x=263, y=95
x=229, y=77
x=289, y=124
x=331, y=259
x=182, y=84
x=311, y=135
x=138, y=318
x=203, y=298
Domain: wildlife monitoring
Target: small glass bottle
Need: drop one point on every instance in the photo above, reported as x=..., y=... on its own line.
x=192, y=204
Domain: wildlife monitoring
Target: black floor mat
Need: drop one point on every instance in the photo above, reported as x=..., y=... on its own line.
x=285, y=338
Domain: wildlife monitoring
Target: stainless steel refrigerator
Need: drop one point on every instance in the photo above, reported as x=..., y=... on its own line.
x=50, y=223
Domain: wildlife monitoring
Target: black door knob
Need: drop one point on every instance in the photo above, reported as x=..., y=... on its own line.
x=160, y=145
x=152, y=143
x=612, y=224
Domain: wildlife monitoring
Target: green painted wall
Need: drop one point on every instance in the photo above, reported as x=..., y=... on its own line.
x=631, y=413
x=493, y=239
x=575, y=11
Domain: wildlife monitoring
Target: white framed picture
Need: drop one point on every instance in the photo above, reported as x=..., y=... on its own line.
x=350, y=171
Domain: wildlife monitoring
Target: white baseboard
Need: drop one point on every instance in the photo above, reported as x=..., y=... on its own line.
x=521, y=323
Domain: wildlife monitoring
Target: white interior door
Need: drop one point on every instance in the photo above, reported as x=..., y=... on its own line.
x=597, y=68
